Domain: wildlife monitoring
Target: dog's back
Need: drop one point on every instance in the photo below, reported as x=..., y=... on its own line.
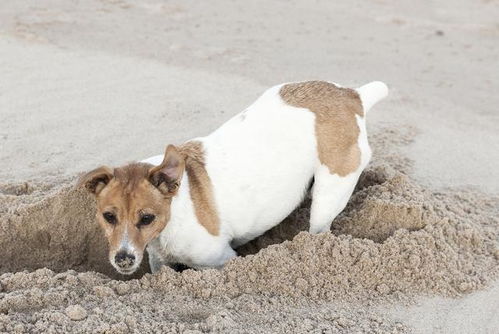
x=262, y=161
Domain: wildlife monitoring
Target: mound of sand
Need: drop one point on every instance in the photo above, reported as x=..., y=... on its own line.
x=394, y=240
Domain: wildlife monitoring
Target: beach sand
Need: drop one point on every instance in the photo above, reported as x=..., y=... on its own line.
x=109, y=82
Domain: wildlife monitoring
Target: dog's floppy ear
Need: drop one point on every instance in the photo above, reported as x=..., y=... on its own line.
x=95, y=180
x=166, y=177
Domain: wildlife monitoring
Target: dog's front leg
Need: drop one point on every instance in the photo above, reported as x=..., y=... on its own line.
x=157, y=258
x=155, y=263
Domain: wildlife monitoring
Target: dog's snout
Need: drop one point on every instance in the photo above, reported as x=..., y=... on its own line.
x=124, y=259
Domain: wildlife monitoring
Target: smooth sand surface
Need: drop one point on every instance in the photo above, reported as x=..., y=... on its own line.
x=107, y=82
x=440, y=59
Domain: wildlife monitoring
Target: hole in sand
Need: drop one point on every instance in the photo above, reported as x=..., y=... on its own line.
x=58, y=229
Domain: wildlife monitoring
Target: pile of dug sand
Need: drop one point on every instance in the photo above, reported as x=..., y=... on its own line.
x=394, y=240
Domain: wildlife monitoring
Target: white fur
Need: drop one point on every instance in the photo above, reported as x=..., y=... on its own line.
x=261, y=163
x=372, y=93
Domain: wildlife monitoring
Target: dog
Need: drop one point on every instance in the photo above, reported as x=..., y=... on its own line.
x=200, y=200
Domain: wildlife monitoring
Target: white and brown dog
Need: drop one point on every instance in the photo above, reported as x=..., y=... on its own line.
x=199, y=200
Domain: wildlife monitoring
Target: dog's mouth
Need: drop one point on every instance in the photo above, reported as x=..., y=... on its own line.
x=126, y=271
x=125, y=266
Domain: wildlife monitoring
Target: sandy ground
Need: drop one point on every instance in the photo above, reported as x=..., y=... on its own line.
x=107, y=82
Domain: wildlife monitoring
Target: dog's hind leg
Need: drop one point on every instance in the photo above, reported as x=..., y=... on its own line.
x=330, y=195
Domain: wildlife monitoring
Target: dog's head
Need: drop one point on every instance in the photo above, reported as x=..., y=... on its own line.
x=133, y=205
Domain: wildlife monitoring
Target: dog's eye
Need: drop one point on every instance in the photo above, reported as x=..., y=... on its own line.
x=109, y=217
x=146, y=220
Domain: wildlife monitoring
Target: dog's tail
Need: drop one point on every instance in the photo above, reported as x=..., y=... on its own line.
x=372, y=93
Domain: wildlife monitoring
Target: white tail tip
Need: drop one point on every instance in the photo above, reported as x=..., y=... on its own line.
x=372, y=93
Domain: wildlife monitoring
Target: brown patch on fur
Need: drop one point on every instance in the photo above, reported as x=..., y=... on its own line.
x=335, y=124
x=129, y=194
x=200, y=186
x=168, y=175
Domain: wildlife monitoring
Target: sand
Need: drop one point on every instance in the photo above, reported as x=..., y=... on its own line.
x=394, y=241
x=416, y=249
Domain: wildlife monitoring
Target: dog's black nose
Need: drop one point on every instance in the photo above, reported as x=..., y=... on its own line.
x=123, y=259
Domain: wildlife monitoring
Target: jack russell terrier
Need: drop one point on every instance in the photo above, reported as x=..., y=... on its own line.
x=200, y=200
